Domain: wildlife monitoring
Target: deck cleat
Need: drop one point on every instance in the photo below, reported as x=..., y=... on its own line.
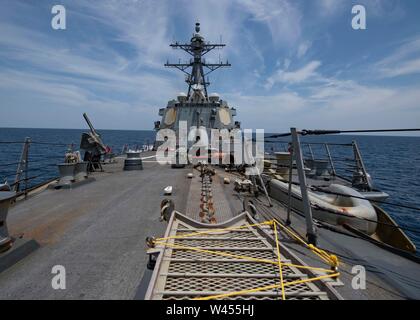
x=150, y=241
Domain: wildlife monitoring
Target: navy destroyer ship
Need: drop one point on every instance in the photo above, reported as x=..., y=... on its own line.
x=128, y=227
x=197, y=107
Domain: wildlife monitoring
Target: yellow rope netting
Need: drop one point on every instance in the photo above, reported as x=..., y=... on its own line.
x=222, y=230
x=274, y=286
x=283, y=295
x=330, y=259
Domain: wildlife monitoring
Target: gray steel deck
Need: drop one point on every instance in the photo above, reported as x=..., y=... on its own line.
x=96, y=231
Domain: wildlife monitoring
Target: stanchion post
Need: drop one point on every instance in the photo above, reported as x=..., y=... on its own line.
x=22, y=166
x=289, y=202
x=27, y=144
x=333, y=172
x=310, y=229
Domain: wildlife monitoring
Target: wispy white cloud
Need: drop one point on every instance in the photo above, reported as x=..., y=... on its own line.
x=390, y=9
x=367, y=107
x=334, y=105
x=303, y=48
x=37, y=50
x=274, y=113
x=330, y=7
x=331, y=88
x=405, y=60
x=283, y=18
x=142, y=24
x=84, y=76
x=401, y=69
x=292, y=77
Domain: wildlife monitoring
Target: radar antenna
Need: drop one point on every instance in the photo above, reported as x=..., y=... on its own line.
x=197, y=48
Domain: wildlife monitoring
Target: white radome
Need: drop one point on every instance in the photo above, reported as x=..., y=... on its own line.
x=182, y=97
x=214, y=97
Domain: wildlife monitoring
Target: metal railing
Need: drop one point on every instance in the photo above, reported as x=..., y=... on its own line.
x=30, y=168
x=346, y=163
x=296, y=166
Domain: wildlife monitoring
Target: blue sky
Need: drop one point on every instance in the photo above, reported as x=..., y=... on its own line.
x=294, y=63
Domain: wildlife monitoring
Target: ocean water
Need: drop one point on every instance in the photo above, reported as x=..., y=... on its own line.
x=49, y=146
x=393, y=162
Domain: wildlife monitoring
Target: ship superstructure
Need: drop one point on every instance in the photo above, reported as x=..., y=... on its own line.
x=197, y=107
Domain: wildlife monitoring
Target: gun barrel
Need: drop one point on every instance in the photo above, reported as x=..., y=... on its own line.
x=89, y=123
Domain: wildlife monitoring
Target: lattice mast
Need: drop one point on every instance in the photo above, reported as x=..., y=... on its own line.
x=197, y=48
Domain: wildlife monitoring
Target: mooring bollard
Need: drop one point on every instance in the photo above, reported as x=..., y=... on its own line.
x=5, y=239
x=67, y=171
x=80, y=171
x=133, y=161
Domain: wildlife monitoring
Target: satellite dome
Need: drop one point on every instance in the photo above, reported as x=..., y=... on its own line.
x=182, y=97
x=214, y=97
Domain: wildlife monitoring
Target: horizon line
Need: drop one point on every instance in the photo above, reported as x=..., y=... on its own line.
x=342, y=134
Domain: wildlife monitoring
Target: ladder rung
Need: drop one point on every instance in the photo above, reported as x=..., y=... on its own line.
x=234, y=275
x=264, y=293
